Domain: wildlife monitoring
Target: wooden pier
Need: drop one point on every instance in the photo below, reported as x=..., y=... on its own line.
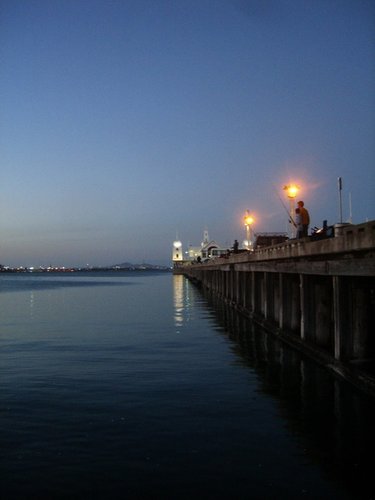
x=316, y=294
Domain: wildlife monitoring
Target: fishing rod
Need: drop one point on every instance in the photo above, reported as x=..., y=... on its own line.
x=285, y=208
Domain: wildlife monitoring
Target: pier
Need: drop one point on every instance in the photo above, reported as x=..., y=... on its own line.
x=317, y=295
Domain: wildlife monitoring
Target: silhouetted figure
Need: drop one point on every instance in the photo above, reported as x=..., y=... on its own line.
x=298, y=223
x=235, y=246
x=305, y=218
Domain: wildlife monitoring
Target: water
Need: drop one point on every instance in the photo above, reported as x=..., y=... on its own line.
x=137, y=386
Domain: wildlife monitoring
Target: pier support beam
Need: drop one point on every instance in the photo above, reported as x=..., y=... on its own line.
x=362, y=293
x=253, y=292
x=323, y=313
x=289, y=304
x=305, y=305
x=281, y=314
x=341, y=319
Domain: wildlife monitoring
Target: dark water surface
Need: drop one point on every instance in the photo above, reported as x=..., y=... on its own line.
x=137, y=386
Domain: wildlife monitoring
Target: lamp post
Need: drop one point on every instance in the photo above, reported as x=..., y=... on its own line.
x=248, y=220
x=291, y=191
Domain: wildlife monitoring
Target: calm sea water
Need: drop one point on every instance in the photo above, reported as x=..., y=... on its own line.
x=137, y=386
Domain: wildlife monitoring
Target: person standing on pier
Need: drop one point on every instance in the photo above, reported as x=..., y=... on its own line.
x=298, y=223
x=305, y=216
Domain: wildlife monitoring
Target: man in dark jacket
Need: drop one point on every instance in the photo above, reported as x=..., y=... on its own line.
x=305, y=216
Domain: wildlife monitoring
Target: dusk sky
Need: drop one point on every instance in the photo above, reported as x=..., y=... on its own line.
x=126, y=123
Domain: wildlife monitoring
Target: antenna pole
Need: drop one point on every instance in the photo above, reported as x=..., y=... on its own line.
x=340, y=198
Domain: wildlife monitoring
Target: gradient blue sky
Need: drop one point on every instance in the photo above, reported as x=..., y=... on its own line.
x=123, y=123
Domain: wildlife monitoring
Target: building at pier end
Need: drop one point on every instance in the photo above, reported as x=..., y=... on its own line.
x=206, y=250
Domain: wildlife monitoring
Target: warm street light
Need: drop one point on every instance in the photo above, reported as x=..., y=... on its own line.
x=248, y=220
x=291, y=191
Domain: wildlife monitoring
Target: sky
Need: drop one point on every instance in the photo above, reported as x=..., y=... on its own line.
x=125, y=124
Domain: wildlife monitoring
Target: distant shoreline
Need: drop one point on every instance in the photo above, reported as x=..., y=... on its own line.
x=67, y=270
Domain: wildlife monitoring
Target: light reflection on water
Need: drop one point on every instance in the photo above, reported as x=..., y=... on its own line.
x=185, y=301
x=178, y=295
x=136, y=385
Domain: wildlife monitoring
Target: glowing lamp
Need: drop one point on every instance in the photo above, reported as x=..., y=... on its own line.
x=291, y=190
x=248, y=220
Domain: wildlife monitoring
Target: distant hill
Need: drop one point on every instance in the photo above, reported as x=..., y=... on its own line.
x=124, y=265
